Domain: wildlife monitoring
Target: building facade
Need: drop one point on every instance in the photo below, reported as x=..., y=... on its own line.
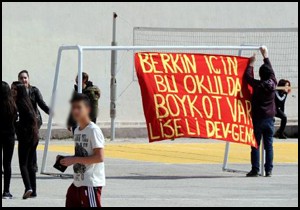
x=32, y=33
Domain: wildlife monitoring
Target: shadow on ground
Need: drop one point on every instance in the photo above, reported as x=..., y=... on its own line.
x=142, y=177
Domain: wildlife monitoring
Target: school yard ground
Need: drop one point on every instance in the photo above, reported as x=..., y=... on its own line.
x=186, y=172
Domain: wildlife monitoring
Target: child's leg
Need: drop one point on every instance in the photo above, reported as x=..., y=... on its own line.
x=280, y=114
x=91, y=196
x=72, y=198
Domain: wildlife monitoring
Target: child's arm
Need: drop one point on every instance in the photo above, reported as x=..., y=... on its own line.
x=97, y=157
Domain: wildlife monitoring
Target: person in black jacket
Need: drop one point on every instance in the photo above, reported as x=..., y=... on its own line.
x=34, y=95
x=93, y=93
x=284, y=88
x=36, y=99
x=8, y=118
x=27, y=134
x=263, y=111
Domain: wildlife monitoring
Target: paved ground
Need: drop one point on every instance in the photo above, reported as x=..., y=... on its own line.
x=180, y=173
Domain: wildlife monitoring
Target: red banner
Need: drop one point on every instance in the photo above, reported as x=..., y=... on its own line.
x=195, y=95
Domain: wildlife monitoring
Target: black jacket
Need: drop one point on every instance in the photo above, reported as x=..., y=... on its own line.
x=26, y=125
x=37, y=100
x=93, y=93
x=7, y=123
x=280, y=99
x=263, y=99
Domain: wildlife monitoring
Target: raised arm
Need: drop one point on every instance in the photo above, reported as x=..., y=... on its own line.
x=249, y=76
x=264, y=52
x=40, y=101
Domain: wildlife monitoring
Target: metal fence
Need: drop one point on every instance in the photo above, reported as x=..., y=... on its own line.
x=281, y=42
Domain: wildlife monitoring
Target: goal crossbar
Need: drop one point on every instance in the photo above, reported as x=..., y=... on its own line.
x=128, y=48
x=113, y=88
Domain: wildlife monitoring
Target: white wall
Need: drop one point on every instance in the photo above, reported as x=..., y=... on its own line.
x=32, y=33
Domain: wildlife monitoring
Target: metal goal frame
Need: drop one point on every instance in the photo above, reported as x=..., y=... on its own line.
x=113, y=88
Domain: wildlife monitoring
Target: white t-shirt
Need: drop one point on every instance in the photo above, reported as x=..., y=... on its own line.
x=86, y=140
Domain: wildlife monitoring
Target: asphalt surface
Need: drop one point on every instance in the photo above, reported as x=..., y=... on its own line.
x=144, y=183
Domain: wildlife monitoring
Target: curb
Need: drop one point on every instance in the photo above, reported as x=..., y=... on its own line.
x=137, y=132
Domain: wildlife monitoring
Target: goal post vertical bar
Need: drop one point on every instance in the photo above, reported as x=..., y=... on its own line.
x=52, y=106
x=80, y=67
x=226, y=155
x=133, y=53
x=227, y=147
x=262, y=164
x=113, y=81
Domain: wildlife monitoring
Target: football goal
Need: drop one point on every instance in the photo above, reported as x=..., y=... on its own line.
x=115, y=49
x=281, y=42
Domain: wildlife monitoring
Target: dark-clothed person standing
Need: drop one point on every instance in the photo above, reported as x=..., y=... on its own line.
x=284, y=88
x=8, y=118
x=37, y=100
x=93, y=93
x=27, y=134
x=263, y=111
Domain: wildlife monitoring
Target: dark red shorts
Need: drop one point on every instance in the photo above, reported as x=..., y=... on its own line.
x=83, y=197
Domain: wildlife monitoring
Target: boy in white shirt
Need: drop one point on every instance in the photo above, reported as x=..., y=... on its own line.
x=88, y=162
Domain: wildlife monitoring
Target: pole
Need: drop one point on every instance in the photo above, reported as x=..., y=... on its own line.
x=52, y=105
x=226, y=155
x=227, y=147
x=163, y=47
x=80, y=66
x=113, y=81
x=262, y=165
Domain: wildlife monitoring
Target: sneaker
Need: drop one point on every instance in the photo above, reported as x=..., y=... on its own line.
x=27, y=194
x=276, y=135
x=7, y=195
x=282, y=136
x=268, y=173
x=33, y=195
x=252, y=173
x=35, y=167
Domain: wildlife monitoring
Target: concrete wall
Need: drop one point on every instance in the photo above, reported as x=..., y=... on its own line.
x=32, y=33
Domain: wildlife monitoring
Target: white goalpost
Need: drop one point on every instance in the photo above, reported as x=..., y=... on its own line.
x=80, y=49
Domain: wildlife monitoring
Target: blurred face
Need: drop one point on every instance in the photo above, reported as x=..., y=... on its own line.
x=83, y=81
x=80, y=111
x=287, y=85
x=24, y=79
x=14, y=91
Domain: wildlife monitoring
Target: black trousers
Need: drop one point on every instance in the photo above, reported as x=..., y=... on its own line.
x=280, y=114
x=27, y=152
x=7, y=147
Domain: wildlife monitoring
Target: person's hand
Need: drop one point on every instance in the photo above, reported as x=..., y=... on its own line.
x=68, y=161
x=252, y=60
x=264, y=51
x=69, y=128
x=57, y=157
